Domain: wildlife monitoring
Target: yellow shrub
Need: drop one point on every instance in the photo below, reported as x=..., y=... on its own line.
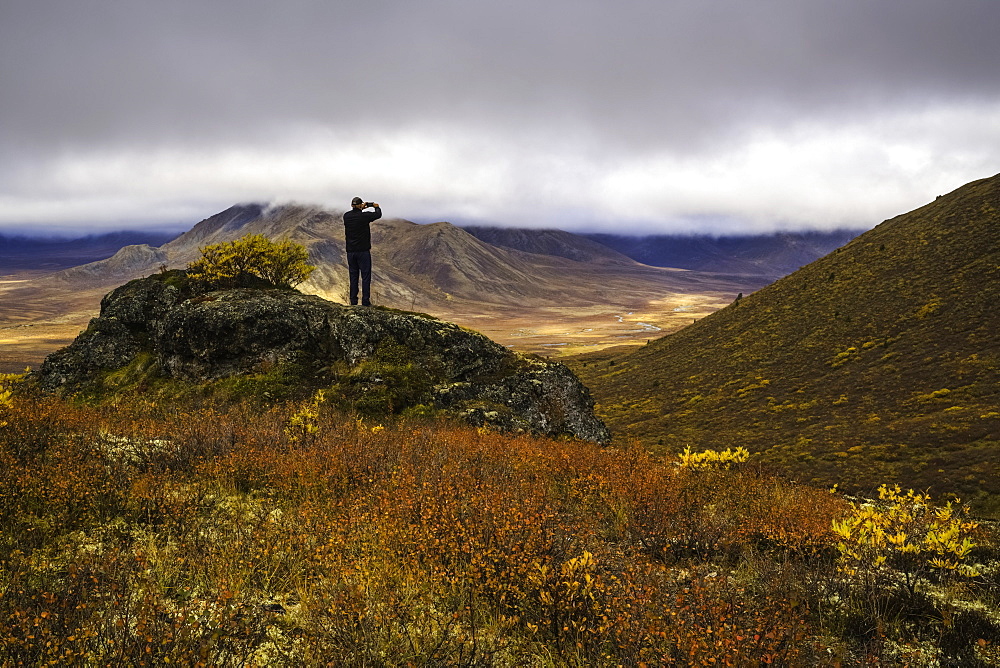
x=302, y=422
x=281, y=263
x=936, y=394
x=909, y=534
x=928, y=309
x=7, y=381
x=5, y=404
x=713, y=459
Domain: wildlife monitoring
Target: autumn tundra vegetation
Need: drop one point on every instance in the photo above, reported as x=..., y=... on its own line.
x=293, y=528
x=296, y=534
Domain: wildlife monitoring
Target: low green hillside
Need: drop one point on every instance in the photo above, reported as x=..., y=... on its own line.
x=879, y=362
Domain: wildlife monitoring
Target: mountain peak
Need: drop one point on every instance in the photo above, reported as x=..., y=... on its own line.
x=233, y=218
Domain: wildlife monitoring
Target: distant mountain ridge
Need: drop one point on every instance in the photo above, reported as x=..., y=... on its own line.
x=771, y=255
x=19, y=252
x=432, y=267
x=559, y=243
x=775, y=255
x=880, y=362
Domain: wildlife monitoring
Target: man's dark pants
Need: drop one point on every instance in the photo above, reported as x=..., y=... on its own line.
x=360, y=263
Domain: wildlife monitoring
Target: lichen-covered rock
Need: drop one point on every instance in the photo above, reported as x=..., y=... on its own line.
x=371, y=356
x=229, y=332
x=105, y=344
x=544, y=397
x=112, y=340
x=139, y=303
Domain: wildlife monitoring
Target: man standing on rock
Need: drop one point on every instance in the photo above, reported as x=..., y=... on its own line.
x=359, y=245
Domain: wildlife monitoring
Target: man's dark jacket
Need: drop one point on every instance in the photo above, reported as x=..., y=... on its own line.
x=356, y=230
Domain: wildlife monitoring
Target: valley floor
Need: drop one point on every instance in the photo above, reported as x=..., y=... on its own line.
x=553, y=331
x=35, y=322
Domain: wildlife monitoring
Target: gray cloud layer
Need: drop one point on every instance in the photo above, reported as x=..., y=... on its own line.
x=701, y=114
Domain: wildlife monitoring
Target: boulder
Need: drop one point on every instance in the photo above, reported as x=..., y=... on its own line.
x=362, y=353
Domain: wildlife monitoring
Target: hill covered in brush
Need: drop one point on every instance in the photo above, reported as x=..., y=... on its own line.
x=879, y=362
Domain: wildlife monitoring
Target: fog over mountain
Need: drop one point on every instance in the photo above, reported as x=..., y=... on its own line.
x=125, y=253
x=657, y=117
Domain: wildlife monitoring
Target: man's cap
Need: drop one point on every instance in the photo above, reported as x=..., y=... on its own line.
x=357, y=200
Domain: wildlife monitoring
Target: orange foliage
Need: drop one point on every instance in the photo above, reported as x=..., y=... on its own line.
x=211, y=538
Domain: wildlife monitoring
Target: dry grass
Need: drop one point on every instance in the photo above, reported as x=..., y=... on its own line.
x=35, y=322
x=558, y=331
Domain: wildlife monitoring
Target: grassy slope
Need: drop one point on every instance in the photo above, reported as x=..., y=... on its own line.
x=878, y=362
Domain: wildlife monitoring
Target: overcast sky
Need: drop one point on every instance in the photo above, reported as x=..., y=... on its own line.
x=643, y=116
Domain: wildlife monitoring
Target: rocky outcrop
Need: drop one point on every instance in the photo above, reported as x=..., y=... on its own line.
x=361, y=352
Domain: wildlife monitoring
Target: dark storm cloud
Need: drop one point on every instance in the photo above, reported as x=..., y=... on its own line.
x=561, y=95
